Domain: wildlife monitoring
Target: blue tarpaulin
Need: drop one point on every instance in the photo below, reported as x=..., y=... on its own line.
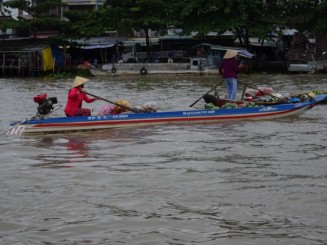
x=57, y=53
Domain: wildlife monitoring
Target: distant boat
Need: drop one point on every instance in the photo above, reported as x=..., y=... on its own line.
x=151, y=68
x=310, y=66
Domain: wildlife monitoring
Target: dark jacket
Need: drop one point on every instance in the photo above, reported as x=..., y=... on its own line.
x=228, y=68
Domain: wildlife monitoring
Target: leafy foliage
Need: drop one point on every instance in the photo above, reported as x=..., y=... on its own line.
x=320, y=16
x=85, y=23
x=136, y=15
x=257, y=18
x=42, y=16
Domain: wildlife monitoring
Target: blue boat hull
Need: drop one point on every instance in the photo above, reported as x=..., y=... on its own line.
x=73, y=124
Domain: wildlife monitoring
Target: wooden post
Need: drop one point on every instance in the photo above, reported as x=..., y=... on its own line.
x=19, y=65
x=54, y=64
x=3, y=63
x=244, y=89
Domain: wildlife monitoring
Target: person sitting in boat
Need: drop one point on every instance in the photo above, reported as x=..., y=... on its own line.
x=76, y=96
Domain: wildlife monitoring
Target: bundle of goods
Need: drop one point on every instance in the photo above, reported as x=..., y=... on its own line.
x=210, y=106
x=230, y=105
x=251, y=94
x=214, y=103
x=318, y=92
x=303, y=97
x=108, y=109
x=265, y=96
x=255, y=98
x=116, y=109
x=119, y=109
x=148, y=107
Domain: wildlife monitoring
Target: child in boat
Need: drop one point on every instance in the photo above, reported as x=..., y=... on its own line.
x=76, y=96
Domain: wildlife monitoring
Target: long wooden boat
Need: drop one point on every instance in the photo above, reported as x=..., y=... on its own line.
x=75, y=124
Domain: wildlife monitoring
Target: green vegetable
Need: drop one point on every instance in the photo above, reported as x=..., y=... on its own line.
x=210, y=106
x=318, y=92
x=250, y=104
x=229, y=106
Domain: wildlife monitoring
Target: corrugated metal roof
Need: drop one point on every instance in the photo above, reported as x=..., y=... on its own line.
x=98, y=42
x=141, y=41
x=216, y=47
x=23, y=48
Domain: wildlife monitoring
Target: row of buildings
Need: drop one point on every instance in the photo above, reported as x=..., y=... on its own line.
x=26, y=55
x=9, y=13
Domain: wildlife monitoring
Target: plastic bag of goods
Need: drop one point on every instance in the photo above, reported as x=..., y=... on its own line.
x=107, y=109
x=119, y=109
x=149, y=107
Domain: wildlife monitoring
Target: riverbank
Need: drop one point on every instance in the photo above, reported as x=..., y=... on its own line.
x=149, y=69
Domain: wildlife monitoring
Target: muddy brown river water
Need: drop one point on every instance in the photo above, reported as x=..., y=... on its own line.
x=231, y=183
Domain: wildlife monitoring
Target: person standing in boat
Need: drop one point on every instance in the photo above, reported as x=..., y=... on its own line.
x=76, y=96
x=229, y=69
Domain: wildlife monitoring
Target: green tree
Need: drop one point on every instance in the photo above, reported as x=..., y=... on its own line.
x=86, y=23
x=135, y=15
x=306, y=15
x=320, y=18
x=245, y=18
x=43, y=16
x=82, y=24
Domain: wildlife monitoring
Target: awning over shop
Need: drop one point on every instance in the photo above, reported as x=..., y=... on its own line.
x=242, y=52
x=271, y=44
x=97, y=42
x=98, y=46
x=217, y=47
x=22, y=48
x=141, y=41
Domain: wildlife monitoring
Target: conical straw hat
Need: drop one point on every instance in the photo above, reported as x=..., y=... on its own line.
x=79, y=81
x=230, y=54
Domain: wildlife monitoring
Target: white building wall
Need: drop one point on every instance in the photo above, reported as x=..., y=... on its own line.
x=14, y=13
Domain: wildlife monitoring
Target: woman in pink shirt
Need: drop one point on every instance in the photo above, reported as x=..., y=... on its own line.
x=76, y=96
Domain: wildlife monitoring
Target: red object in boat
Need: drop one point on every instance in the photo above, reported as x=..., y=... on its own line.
x=39, y=98
x=259, y=93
